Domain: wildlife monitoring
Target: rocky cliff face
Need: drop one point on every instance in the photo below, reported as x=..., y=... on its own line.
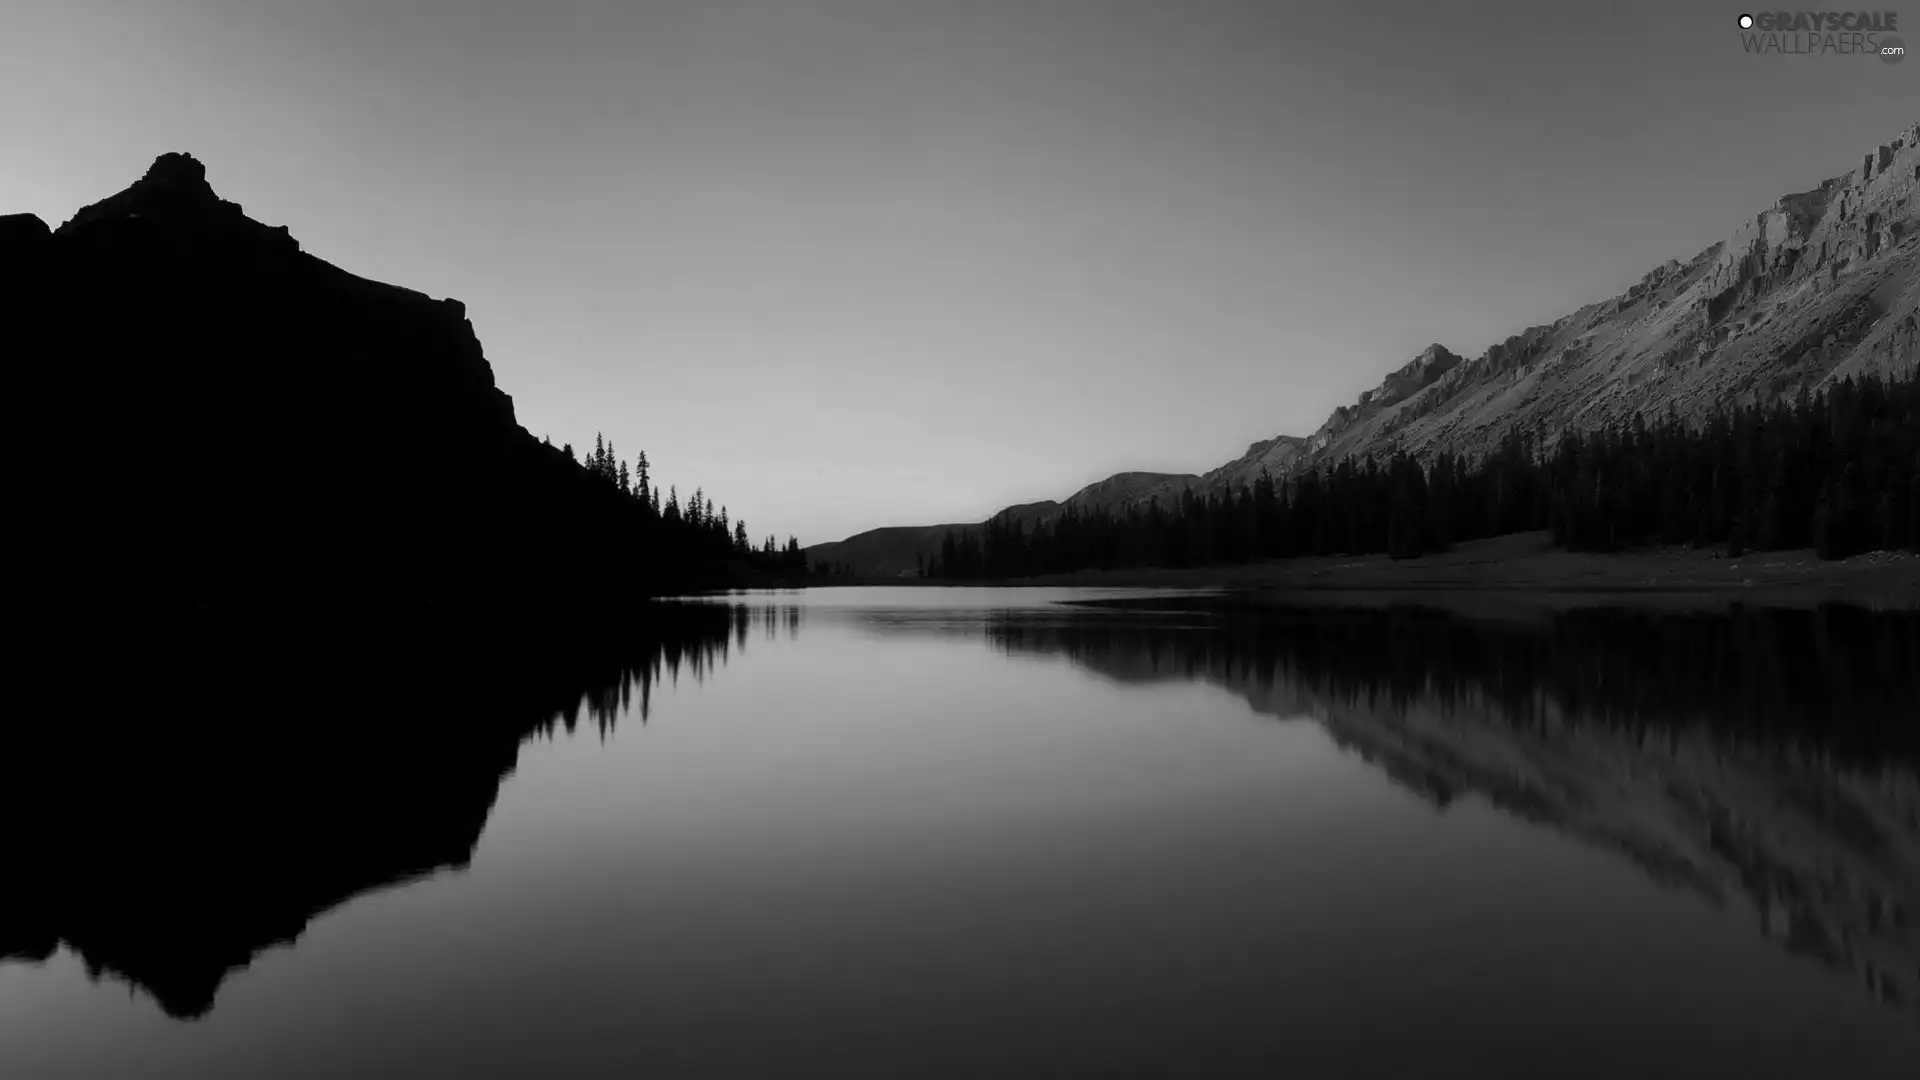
x=209, y=411
x=1821, y=285
x=1411, y=378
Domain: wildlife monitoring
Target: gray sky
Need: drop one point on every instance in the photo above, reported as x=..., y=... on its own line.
x=849, y=264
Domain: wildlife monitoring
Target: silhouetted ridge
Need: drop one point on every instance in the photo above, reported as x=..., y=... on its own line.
x=20, y=234
x=174, y=190
x=214, y=415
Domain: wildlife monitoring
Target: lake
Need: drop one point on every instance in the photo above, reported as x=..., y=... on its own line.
x=985, y=832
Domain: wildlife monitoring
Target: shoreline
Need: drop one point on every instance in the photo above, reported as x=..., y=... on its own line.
x=1524, y=566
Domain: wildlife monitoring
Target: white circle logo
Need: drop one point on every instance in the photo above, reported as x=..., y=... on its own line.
x=1746, y=22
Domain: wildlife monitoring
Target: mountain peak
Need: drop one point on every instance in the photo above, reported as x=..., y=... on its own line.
x=1821, y=285
x=173, y=190
x=178, y=170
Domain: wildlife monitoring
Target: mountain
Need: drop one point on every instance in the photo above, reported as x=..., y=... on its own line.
x=892, y=552
x=1821, y=285
x=1121, y=490
x=204, y=410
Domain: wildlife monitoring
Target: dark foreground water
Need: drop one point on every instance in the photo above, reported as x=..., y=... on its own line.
x=908, y=832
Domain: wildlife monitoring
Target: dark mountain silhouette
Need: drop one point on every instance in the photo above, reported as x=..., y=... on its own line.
x=1763, y=756
x=899, y=551
x=211, y=413
x=183, y=795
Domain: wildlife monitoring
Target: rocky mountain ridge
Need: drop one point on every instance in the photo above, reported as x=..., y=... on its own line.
x=1821, y=285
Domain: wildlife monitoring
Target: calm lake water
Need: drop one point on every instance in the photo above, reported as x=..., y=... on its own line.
x=918, y=832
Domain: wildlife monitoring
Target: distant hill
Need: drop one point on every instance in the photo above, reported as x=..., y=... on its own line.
x=889, y=552
x=892, y=551
x=1821, y=285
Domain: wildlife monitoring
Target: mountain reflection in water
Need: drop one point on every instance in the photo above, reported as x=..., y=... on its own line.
x=1764, y=756
x=183, y=801
x=214, y=788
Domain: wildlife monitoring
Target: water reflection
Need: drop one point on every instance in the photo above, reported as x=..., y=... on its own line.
x=185, y=798
x=1765, y=758
x=185, y=801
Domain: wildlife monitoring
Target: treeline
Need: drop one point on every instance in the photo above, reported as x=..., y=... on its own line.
x=1837, y=471
x=683, y=536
